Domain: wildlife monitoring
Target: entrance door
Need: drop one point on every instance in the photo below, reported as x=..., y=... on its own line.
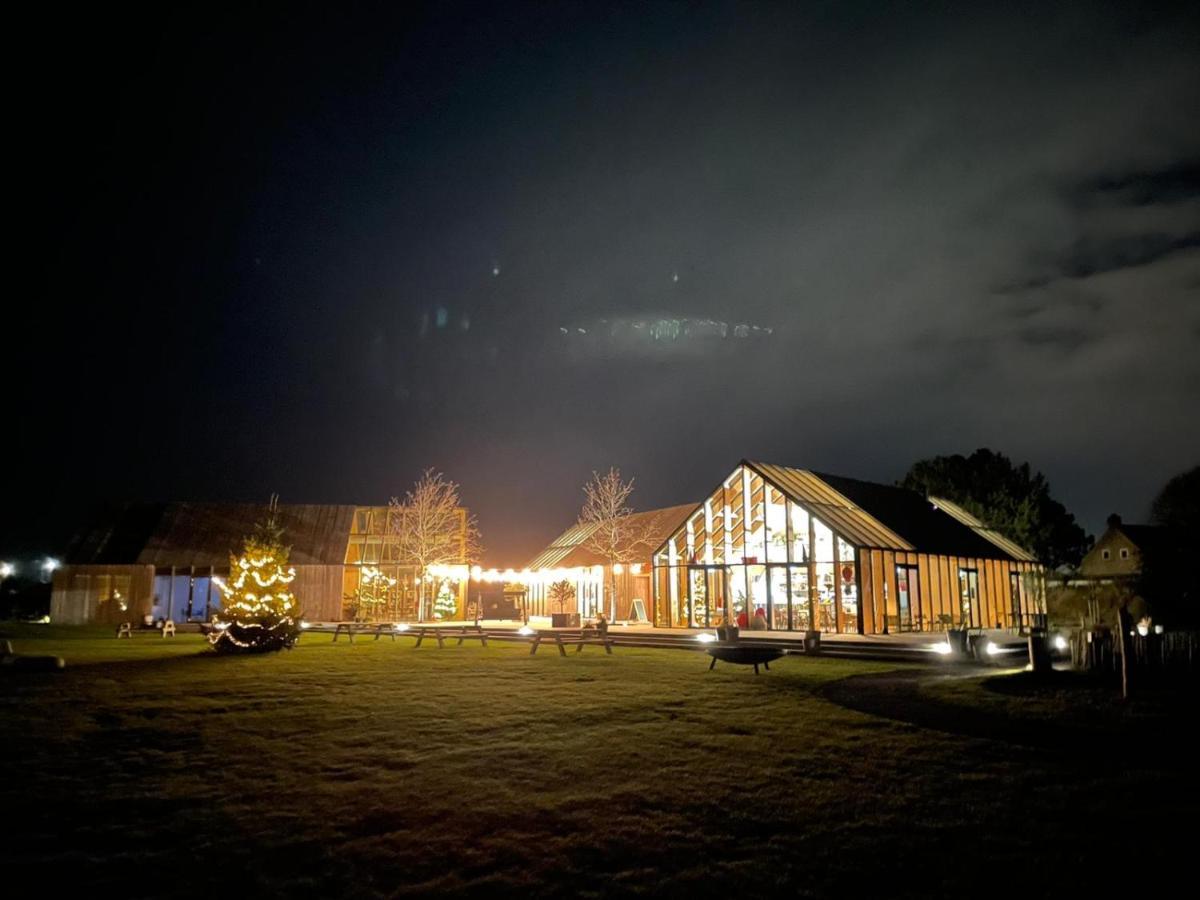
x=909, y=604
x=968, y=588
x=1014, y=586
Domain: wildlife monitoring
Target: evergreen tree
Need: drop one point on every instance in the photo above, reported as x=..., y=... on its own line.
x=446, y=604
x=260, y=613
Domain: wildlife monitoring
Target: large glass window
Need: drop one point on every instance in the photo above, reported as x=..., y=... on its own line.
x=800, y=548
x=826, y=597
x=799, y=597
x=756, y=582
x=762, y=545
x=735, y=519
x=778, y=581
x=848, y=586
x=776, y=525
x=823, y=545
x=699, y=598
x=755, y=513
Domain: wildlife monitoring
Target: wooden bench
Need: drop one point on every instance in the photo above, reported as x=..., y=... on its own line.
x=578, y=638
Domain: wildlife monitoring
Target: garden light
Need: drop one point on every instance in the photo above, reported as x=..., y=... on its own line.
x=706, y=638
x=941, y=649
x=1060, y=642
x=6, y=570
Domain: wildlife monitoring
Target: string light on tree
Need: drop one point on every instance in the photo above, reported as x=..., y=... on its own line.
x=260, y=612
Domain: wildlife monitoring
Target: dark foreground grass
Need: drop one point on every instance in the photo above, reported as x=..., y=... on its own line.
x=151, y=768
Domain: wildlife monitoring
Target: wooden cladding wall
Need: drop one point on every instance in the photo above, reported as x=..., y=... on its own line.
x=319, y=592
x=81, y=595
x=936, y=597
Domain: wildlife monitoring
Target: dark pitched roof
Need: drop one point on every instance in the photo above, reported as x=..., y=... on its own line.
x=204, y=534
x=117, y=534
x=914, y=518
x=1147, y=538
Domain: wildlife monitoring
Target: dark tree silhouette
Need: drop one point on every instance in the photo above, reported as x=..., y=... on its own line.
x=1170, y=580
x=1012, y=499
x=1178, y=503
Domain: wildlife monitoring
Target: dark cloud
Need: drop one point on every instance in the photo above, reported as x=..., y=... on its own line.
x=315, y=253
x=1171, y=185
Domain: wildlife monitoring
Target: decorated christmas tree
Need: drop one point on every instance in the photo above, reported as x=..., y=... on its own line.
x=445, y=605
x=260, y=613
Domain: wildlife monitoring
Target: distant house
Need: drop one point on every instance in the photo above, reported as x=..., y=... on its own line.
x=165, y=560
x=1119, y=555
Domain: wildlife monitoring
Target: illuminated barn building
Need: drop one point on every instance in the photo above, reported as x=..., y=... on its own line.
x=799, y=550
x=164, y=559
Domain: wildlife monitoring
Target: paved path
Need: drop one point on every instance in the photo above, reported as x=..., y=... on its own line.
x=896, y=695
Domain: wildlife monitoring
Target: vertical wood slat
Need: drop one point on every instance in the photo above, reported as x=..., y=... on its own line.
x=839, y=618
x=889, y=581
x=877, y=585
x=866, y=596
x=928, y=620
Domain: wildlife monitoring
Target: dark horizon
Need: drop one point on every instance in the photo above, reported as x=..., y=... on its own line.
x=314, y=252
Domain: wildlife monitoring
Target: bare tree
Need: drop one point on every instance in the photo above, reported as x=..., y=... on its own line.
x=430, y=527
x=615, y=535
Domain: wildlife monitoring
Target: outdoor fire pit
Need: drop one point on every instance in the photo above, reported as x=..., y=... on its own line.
x=743, y=656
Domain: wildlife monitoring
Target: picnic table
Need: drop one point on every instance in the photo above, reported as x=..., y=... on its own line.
x=585, y=635
x=349, y=628
x=420, y=632
x=441, y=632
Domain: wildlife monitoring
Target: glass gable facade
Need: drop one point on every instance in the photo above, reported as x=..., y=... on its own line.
x=750, y=555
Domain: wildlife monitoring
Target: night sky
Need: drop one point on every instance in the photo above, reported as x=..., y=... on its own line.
x=312, y=251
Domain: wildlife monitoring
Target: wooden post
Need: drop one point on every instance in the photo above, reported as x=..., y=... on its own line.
x=1124, y=624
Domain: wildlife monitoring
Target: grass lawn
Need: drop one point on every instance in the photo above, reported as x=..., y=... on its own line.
x=153, y=768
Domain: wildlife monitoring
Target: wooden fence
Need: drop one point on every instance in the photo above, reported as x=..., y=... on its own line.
x=1172, y=654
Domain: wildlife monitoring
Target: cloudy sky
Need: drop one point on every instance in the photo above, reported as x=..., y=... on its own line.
x=308, y=251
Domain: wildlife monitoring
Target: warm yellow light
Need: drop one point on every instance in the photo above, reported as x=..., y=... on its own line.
x=636, y=568
x=618, y=568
